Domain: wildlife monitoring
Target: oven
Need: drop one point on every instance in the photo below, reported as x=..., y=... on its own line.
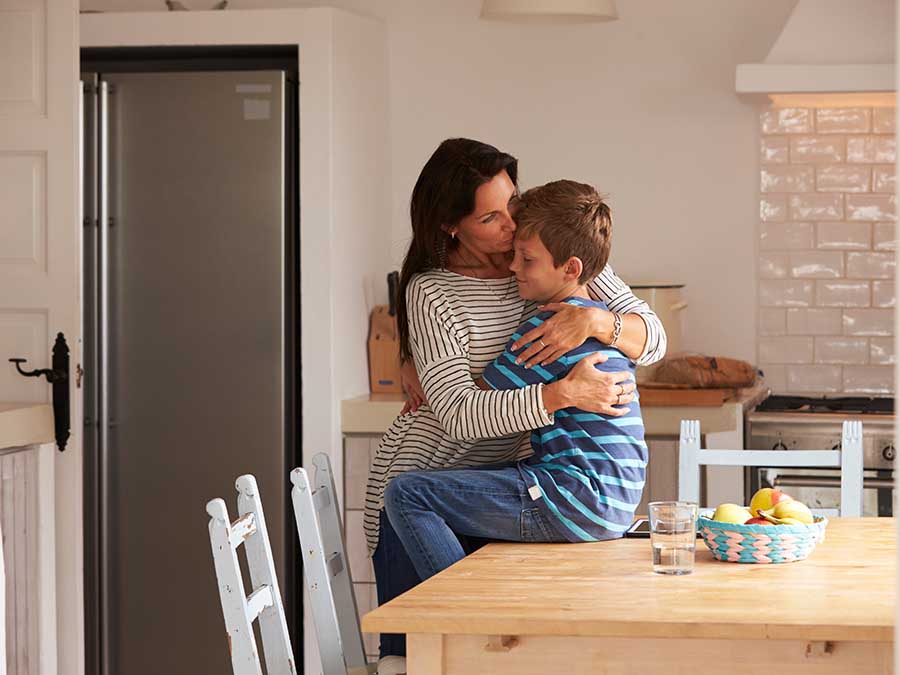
x=804, y=423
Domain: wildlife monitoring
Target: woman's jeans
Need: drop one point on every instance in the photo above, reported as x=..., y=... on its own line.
x=427, y=508
x=395, y=574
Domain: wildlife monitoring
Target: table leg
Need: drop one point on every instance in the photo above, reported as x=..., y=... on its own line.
x=425, y=654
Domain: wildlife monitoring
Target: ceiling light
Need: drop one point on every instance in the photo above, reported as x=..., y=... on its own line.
x=549, y=11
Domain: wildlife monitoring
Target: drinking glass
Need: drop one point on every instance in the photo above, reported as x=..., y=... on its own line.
x=673, y=536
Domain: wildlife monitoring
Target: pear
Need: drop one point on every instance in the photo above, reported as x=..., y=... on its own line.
x=731, y=513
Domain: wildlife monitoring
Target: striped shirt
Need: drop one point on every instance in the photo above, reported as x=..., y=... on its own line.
x=457, y=326
x=588, y=469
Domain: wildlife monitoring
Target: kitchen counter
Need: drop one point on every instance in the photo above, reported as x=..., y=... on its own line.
x=24, y=424
x=374, y=413
x=598, y=607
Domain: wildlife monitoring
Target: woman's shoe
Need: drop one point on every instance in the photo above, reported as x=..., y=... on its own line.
x=392, y=665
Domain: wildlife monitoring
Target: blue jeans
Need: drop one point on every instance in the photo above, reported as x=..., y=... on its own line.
x=426, y=508
x=395, y=574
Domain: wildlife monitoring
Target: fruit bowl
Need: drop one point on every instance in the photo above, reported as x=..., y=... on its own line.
x=760, y=543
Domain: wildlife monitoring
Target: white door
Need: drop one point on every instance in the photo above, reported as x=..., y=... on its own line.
x=40, y=238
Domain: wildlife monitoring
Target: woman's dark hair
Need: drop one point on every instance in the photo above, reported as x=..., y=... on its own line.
x=444, y=194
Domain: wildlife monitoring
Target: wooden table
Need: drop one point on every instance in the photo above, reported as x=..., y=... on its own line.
x=598, y=608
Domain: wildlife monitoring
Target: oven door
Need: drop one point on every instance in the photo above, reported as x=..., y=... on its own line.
x=821, y=488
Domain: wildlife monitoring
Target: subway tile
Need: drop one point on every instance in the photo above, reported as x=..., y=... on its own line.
x=816, y=207
x=842, y=350
x=884, y=179
x=773, y=321
x=843, y=179
x=786, y=349
x=787, y=179
x=884, y=294
x=884, y=120
x=844, y=236
x=787, y=121
x=775, y=377
x=871, y=150
x=367, y=600
x=817, y=264
x=881, y=351
x=874, y=322
x=817, y=149
x=782, y=236
x=884, y=236
x=871, y=265
x=814, y=321
x=819, y=379
x=773, y=209
x=774, y=150
x=773, y=265
x=869, y=379
x=870, y=207
x=842, y=293
x=358, y=558
x=790, y=293
x=843, y=120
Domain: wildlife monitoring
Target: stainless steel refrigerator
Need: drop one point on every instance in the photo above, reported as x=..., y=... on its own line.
x=191, y=372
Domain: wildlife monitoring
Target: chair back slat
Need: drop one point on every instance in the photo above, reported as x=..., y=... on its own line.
x=849, y=459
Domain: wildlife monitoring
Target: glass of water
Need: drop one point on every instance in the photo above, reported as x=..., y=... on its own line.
x=673, y=536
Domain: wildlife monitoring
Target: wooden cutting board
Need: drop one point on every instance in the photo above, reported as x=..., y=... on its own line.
x=662, y=394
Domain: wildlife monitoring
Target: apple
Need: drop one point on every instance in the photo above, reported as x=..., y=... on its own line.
x=731, y=513
x=757, y=521
x=766, y=499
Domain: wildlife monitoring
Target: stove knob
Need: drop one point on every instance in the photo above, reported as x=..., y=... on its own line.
x=889, y=453
x=779, y=446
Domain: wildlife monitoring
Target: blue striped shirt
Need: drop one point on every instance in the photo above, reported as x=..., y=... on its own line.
x=589, y=468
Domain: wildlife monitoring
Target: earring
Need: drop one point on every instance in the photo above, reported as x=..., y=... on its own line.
x=453, y=235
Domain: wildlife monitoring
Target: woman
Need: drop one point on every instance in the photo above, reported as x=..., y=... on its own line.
x=457, y=306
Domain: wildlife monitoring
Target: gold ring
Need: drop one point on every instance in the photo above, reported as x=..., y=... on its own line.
x=541, y=340
x=618, y=399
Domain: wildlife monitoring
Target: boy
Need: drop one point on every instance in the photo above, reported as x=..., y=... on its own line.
x=587, y=472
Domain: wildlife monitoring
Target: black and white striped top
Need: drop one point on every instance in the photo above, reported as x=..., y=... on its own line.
x=457, y=326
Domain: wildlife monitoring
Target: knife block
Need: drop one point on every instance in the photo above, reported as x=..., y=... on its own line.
x=384, y=352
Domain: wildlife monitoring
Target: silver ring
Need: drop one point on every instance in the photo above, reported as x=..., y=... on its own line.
x=541, y=340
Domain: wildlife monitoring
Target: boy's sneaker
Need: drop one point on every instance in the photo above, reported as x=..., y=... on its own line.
x=392, y=665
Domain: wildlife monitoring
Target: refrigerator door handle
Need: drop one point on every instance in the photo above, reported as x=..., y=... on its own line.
x=103, y=330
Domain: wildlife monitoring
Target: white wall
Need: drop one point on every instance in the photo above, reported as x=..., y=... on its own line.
x=643, y=107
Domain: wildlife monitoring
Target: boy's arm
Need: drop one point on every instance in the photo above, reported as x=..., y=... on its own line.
x=504, y=373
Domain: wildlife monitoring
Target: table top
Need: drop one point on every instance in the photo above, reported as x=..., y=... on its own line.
x=845, y=590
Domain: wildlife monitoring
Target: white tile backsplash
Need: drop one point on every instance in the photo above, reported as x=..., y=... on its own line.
x=826, y=263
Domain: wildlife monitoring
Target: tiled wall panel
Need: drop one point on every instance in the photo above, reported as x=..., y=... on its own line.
x=827, y=243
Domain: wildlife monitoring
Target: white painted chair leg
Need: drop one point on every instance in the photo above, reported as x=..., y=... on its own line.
x=688, y=464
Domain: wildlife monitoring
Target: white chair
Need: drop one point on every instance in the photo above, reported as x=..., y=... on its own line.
x=264, y=603
x=849, y=459
x=326, y=571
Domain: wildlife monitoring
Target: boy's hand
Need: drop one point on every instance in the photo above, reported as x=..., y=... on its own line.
x=568, y=328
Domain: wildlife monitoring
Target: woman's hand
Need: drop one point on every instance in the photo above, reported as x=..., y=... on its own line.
x=415, y=395
x=568, y=328
x=590, y=389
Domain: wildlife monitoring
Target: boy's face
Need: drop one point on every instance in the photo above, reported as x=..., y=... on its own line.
x=538, y=278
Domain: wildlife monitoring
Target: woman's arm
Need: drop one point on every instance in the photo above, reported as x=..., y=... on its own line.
x=642, y=337
x=466, y=412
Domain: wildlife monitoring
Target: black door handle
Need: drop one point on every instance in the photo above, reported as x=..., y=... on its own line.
x=58, y=376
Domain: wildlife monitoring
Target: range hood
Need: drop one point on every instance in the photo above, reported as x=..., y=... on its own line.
x=827, y=47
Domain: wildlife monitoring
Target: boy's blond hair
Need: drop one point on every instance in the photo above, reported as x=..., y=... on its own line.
x=571, y=219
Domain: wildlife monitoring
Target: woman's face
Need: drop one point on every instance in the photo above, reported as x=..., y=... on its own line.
x=489, y=229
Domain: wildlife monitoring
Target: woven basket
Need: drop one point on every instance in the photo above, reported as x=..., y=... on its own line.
x=761, y=543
